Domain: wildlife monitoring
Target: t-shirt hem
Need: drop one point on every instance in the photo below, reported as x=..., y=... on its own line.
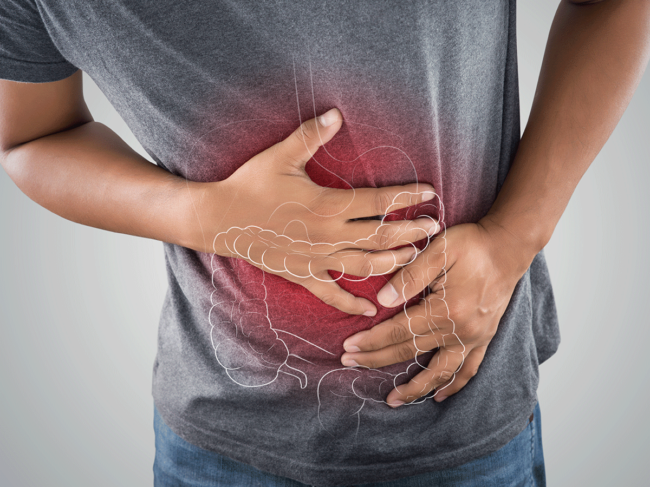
x=28, y=72
x=545, y=353
x=333, y=475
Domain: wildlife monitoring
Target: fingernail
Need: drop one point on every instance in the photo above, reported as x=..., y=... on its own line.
x=428, y=195
x=328, y=118
x=370, y=312
x=396, y=404
x=440, y=398
x=348, y=362
x=349, y=345
x=387, y=295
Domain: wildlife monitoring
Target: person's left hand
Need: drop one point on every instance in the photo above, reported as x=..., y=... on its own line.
x=471, y=270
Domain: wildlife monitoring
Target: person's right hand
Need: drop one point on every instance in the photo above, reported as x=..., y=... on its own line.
x=272, y=215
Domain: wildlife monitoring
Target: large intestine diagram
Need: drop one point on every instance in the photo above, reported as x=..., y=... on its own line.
x=269, y=332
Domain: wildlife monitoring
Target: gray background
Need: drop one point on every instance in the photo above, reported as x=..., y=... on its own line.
x=79, y=310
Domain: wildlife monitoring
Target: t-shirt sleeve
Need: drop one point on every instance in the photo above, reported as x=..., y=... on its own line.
x=27, y=52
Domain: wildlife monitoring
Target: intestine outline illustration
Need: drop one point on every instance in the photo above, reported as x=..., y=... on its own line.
x=259, y=320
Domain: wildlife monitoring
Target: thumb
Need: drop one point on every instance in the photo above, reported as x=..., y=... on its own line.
x=303, y=143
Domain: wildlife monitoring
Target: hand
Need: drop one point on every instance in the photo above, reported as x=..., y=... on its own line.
x=471, y=271
x=271, y=214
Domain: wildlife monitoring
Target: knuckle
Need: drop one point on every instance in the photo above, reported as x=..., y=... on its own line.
x=404, y=353
x=398, y=334
x=472, y=330
x=491, y=330
x=409, y=276
x=385, y=236
x=366, y=268
x=308, y=284
x=374, y=342
x=484, y=311
x=306, y=133
x=382, y=202
x=287, y=154
x=317, y=265
x=326, y=204
x=329, y=299
x=446, y=376
x=456, y=312
x=282, y=155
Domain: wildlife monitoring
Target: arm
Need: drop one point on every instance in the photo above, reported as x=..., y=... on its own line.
x=595, y=57
x=594, y=60
x=81, y=170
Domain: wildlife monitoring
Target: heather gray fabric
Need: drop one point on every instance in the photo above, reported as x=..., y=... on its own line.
x=248, y=363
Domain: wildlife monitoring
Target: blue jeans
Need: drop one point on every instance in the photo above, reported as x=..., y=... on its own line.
x=181, y=464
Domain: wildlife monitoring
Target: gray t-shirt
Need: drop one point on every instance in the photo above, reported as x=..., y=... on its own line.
x=248, y=364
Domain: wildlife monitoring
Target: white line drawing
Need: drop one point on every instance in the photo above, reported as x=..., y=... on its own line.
x=256, y=352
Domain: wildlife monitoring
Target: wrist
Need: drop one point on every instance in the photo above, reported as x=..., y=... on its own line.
x=517, y=241
x=195, y=228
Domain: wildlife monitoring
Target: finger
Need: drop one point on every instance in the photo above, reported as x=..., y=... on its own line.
x=441, y=369
x=468, y=370
x=394, y=354
x=327, y=290
x=412, y=279
x=366, y=202
x=364, y=264
x=303, y=143
x=298, y=270
x=423, y=319
x=352, y=262
x=377, y=235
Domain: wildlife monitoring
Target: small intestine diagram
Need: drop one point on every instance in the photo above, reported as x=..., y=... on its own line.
x=258, y=345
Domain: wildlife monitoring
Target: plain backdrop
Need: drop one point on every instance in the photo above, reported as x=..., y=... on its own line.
x=79, y=312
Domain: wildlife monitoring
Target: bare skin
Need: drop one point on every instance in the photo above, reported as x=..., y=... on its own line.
x=594, y=60
x=81, y=170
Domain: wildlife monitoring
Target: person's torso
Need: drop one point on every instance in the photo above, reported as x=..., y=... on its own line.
x=428, y=93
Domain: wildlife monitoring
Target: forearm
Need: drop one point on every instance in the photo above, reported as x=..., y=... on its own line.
x=90, y=176
x=594, y=60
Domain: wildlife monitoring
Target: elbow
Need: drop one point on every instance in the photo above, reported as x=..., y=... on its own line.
x=6, y=146
x=16, y=161
x=8, y=159
x=11, y=165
